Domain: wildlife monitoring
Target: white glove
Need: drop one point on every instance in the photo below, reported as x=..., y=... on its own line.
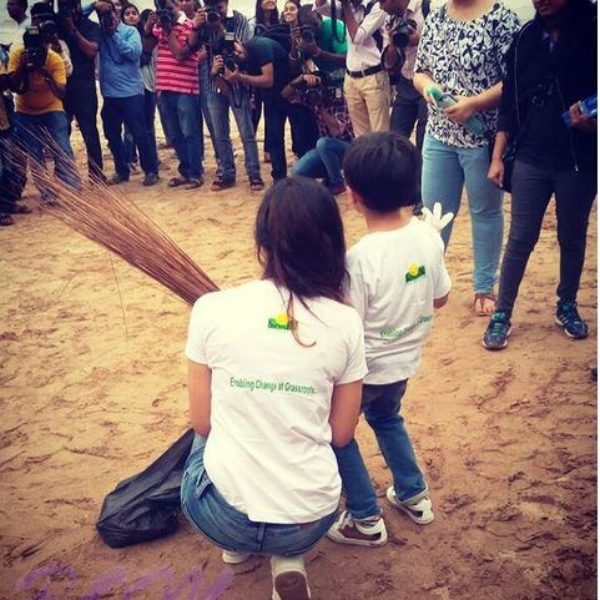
x=435, y=218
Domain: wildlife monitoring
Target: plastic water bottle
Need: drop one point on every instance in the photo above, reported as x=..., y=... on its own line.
x=588, y=108
x=442, y=100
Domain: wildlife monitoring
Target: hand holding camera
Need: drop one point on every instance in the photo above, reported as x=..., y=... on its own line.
x=401, y=35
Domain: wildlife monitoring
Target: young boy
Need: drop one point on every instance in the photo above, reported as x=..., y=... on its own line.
x=397, y=278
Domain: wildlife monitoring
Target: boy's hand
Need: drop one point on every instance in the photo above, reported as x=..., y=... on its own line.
x=435, y=218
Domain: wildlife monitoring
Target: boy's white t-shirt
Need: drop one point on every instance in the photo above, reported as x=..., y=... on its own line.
x=394, y=278
x=268, y=451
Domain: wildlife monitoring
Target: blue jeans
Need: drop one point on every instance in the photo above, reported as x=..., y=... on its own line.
x=33, y=130
x=184, y=129
x=445, y=169
x=228, y=528
x=325, y=160
x=381, y=405
x=129, y=111
x=218, y=107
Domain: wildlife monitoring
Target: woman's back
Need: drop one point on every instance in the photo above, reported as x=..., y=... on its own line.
x=269, y=451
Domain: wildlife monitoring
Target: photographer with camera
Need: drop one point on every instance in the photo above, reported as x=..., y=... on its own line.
x=122, y=88
x=81, y=102
x=263, y=63
x=328, y=104
x=37, y=76
x=219, y=27
x=322, y=41
x=41, y=12
x=367, y=85
x=404, y=27
x=178, y=87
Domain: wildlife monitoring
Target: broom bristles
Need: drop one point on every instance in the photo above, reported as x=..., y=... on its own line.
x=107, y=217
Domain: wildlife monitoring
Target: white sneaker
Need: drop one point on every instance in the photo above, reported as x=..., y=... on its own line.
x=230, y=557
x=364, y=532
x=420, y=511
x=289, y=578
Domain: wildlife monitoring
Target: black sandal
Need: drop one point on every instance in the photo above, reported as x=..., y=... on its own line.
x=219, y=185
x=6, y=220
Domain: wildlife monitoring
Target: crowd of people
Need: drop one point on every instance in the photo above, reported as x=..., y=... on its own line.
x=498, y=106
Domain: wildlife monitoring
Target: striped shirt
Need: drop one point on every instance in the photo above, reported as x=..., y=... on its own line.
x=174, y=75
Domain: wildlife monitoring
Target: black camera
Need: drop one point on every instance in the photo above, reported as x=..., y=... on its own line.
x=322, y=94
x=35, y=40
x=226, y=48
x=401, y=35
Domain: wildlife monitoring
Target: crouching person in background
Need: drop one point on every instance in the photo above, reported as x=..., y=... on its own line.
x=37, y=76
x=335, y=129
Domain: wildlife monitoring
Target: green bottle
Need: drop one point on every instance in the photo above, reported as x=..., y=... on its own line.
x=442, y=100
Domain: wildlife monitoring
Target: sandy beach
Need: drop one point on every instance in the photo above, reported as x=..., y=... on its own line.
x=93, y=388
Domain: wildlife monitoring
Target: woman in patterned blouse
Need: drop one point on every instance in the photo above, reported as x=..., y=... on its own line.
x=461, y=53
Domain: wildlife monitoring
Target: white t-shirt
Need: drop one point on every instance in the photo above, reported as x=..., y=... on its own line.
x=394, y=278
x=269, y=452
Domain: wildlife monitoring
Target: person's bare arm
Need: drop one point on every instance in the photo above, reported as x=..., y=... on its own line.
x=264, y=80
x=199, y=385
x=345, y=409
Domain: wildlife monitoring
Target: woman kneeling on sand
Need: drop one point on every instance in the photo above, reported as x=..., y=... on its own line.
x=275, y=374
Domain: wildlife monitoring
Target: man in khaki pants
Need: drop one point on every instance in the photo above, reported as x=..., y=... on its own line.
x=366, y=86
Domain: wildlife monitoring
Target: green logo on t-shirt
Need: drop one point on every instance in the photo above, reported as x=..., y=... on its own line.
x=414, y=272
x=281, y=321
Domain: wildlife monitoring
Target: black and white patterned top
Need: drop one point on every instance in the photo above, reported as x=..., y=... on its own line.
x=465, y=58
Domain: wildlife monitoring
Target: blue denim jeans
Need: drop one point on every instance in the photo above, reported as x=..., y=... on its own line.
x=381, y=405
x=445, y=170
x=33, y=130
x=325, y=160
x=230, y=529
x=129, y=111
x=218, y=106
x=184, y=129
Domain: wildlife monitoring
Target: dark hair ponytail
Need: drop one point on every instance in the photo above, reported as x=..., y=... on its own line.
x=300, y=239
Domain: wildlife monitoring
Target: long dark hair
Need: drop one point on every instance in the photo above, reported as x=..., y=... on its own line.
x=259, y=16
x=300, y=241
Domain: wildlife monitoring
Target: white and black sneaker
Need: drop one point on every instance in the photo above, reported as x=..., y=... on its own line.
x=358, y=532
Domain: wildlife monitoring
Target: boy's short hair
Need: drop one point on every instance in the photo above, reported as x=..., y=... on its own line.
x=385, y=170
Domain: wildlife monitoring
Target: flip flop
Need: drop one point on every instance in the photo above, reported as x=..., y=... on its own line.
x=480, y=301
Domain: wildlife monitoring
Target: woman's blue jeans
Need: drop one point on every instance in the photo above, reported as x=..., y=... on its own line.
x=325, y=160
x=445, y=170
x=381, y=405
x=228, y=528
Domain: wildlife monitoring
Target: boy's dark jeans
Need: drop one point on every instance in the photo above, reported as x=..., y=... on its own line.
x=532, y=188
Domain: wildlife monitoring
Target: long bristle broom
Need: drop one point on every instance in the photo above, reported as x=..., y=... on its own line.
x=107, y=217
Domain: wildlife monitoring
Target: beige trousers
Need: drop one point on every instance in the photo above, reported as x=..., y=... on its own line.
x=368, y=100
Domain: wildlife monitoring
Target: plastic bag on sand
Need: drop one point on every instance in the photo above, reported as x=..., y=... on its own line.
x=144, y=507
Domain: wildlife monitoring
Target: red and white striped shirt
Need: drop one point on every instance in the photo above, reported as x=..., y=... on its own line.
x=174, y=75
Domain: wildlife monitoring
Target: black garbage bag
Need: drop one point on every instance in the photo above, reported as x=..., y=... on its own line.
x=144, y=507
